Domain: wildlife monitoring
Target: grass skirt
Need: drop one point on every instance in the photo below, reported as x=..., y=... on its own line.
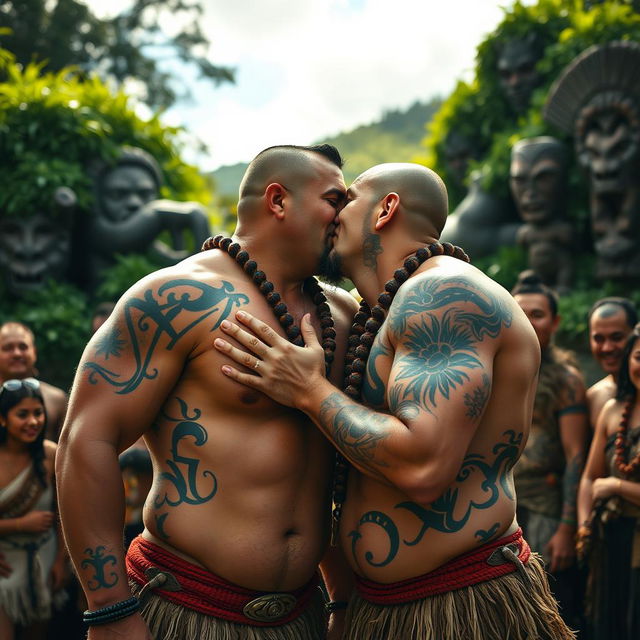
x=500, y=609
x=169, y=621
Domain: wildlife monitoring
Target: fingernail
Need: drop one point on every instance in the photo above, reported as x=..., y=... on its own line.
x=225, y=324
x=241, y=314
x=218, y=342
x=226, y=369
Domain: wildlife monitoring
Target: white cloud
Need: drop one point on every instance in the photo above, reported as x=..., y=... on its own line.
x=312, y=68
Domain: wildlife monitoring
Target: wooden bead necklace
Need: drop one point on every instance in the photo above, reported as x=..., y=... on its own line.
x=274, y=299
x=626, y=468
x=366, y=324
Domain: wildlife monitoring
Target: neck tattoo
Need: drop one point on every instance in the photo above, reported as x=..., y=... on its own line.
x=366, y=324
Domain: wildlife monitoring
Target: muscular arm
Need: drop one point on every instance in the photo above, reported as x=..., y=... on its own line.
x=574, y=431
x=595, y=466
x=126, y=373
x=445, y=332
x=573, y=425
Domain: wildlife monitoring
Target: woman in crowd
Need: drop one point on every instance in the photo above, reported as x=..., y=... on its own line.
x=609, y=508
x=31, y=548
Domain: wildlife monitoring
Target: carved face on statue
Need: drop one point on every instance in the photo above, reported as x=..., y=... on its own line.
x=538, y=178
x=518, y=75
x=124, y=190
x=458, y=153
x=32, y=250
x=608, y=145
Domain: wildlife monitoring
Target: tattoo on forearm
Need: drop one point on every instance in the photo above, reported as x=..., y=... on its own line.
x=97, y=561
x=570, y=483
x=439, y=356
x=477, y=401
x=441, y=514
x=150, y=318
x=353, y=429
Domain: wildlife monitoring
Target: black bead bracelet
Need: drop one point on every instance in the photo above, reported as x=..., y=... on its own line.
x=112, y=612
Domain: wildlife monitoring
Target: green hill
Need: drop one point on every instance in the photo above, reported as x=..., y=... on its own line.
x=396, y=137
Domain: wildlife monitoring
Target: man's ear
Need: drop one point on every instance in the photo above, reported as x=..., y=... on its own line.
x=390, y=204
x=274, y=196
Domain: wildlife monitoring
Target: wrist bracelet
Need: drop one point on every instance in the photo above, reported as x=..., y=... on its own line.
x=112, y=612
x=336, y=605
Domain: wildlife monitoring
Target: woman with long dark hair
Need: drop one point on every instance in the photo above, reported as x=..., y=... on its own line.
x=28, y=538
x=609, y=508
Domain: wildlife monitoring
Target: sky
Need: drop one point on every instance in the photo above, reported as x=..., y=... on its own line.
x=309, y=69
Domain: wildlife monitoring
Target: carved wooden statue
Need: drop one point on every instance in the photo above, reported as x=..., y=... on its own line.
x=129, y=217
x=597, y=100
x=538, y=177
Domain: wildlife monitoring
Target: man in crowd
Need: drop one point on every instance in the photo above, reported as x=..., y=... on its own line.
x=548, y=474
x=448, y=379
x=237, y=518
x=18, y=359
x=611, y=321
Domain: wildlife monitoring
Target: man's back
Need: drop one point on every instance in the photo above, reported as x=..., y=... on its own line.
x=454, y=342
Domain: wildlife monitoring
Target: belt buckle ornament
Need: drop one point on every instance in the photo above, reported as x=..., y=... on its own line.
x=269, y=607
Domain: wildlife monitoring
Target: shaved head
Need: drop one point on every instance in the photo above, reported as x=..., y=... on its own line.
x=288, y=165
x=423, y=195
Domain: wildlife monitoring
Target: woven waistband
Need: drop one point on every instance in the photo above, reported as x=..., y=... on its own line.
x=204, y=592
x=474, y=567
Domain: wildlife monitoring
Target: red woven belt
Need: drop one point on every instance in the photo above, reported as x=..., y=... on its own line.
x=209, y=594
x=471, y=568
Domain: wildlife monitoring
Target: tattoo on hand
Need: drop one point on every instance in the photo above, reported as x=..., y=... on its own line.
x=97, y=560
x=150, y=318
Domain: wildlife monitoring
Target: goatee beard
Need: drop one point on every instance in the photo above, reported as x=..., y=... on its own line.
x=330, y=267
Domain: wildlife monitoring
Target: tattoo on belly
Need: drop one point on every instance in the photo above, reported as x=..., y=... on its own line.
x=440, y=516
x=185, y=474
x=97, y=561
x=149, y=318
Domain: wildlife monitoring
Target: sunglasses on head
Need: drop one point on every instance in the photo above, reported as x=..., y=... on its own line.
x=15, y=384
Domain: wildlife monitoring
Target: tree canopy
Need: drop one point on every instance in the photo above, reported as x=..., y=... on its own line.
x=129, y=46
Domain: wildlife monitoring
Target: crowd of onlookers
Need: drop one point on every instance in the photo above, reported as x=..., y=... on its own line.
x=577, y=482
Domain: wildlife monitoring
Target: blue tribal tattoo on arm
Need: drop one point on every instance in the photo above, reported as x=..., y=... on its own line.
x=97, y=561
x=152, y=317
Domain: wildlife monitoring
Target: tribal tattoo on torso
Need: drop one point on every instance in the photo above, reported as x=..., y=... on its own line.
x=437, y=325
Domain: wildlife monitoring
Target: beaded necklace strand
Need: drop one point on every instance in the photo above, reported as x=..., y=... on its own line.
x=367, y=323
x=626, y=468
x=274, y=299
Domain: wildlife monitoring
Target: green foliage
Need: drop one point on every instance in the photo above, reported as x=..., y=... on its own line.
x=54, y=126
x=126, y=272
x=479, y=110
x=59, y=315
x=129, y=45
x=503, y=266
x=394, y=138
